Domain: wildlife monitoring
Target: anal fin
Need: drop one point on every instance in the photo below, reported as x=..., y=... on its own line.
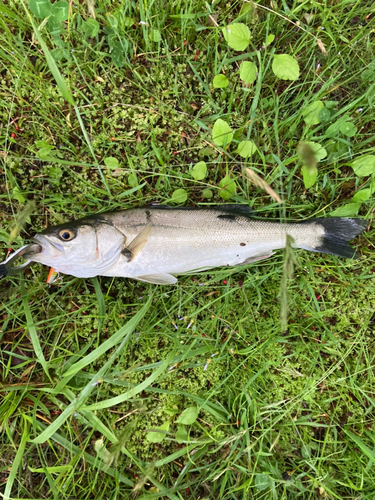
x=157, y=279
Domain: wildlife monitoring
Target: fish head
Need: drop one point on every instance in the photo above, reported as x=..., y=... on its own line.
x=83, y=248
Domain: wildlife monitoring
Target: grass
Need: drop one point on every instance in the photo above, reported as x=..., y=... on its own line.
x=96, y=374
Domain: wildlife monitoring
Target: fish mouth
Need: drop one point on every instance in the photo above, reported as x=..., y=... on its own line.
x=33, y=249
x=45, y=245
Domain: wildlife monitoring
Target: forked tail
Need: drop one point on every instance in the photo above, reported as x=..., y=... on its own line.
x=337, y=232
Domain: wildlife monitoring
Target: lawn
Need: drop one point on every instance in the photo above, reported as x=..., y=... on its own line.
x=249, y=382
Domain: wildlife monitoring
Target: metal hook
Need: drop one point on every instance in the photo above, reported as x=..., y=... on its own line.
x=6, y=268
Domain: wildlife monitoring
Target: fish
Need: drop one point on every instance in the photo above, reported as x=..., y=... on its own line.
x=155, y=243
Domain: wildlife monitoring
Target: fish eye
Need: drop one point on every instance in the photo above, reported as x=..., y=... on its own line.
x=66, y=234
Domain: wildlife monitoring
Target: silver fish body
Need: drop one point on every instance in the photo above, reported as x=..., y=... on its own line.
x=153, y=244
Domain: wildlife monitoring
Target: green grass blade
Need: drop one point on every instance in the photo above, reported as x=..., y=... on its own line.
x=96, y=462
x=101, y=302
x=17, y=461
x=32, y=330
x=366, y=450
x=76, y=405
x=65, y=92
x=129, y=394
x=111, y=342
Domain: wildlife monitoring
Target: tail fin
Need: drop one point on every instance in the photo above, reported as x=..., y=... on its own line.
x=337, y=232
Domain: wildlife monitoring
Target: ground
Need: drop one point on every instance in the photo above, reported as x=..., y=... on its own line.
x=258, y=381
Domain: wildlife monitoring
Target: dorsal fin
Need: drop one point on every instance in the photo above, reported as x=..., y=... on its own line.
x=235, y=209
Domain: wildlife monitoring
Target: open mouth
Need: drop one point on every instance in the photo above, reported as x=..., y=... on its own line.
x=32, y=249
x=45, y=244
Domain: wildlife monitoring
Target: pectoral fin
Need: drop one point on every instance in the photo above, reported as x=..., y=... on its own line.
x=136, y=246
x=158, y=279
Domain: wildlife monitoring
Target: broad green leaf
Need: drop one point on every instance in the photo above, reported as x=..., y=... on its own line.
x=199, y=171
x=154, y=35
x=324, y=115
x=179, y=196
x=310, y=175
x=90, y=27
x=262, y=481
x=270, y=39
x=60, y=10
x=188, y=416
x=207, y=151
x=220, y=82
x=207, y=193
x=334, y=129
x=319, y=151
x=43, y=153
x=331, y=104
x=181, y=434
x=237, y=36
x=42, y=144
x=40, y=8
x=246, y=148
x=117, y=55
x=102, y=451
x=113, y=21
x=222, y=134
x=55, y=28
x=348, y=210
x=58, y=54
x=128, y=21
x=248, y=72
x=285, y=67
x=362, y=195
x=348, y=129
x=311, y=113
x=111, y=162
x=17, y=195
x=364, y=165
x=157, y=437
x=228, y=187
x=246, y=8
x=132, y=180
x=172, y=411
